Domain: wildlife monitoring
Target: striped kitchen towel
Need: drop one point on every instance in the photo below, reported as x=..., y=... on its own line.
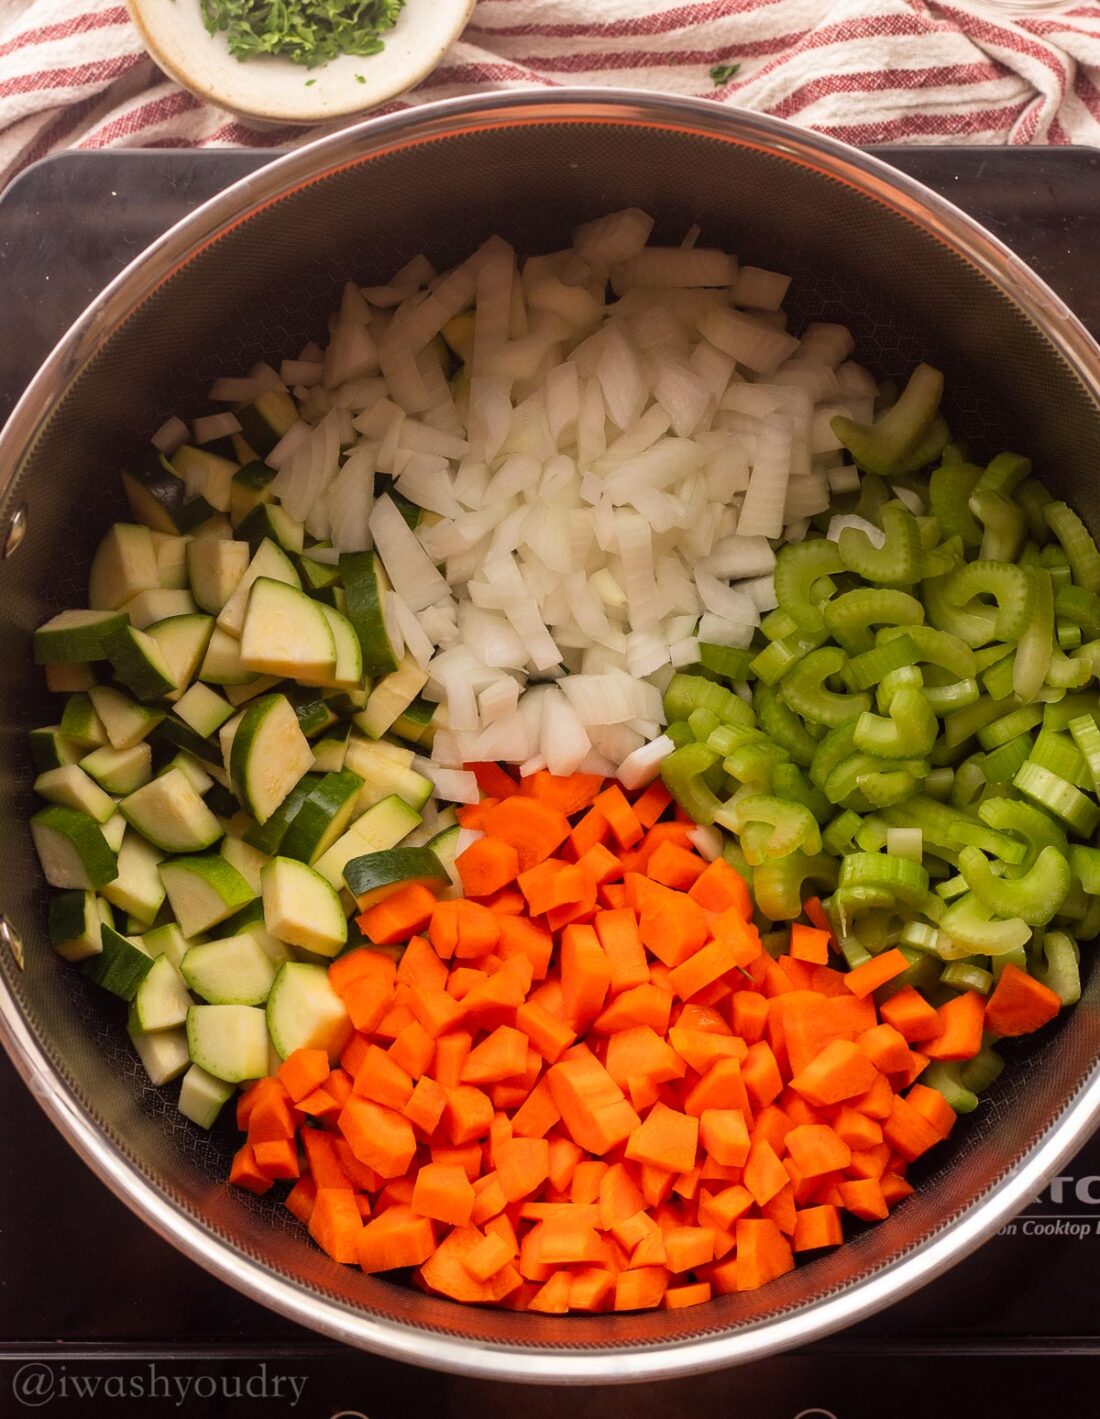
x=73, y=73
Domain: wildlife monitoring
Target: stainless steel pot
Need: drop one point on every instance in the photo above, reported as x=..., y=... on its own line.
x=253, y=273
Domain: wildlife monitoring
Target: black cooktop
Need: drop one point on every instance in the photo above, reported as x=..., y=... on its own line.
x=99, y=1316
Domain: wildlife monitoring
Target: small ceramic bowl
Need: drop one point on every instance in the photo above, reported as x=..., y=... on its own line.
x=275, y=90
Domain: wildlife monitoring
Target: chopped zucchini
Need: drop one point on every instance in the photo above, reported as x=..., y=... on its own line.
x=234, y=970
x=269, y=755
x=228, y=1041
x=77, y=636
x=72, y=849
x=203, y=891
x=125, y=564
x=304, y=1012
x=171, y=814
x=302, y=908
x=73, y=788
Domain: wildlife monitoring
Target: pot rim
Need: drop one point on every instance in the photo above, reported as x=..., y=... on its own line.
x=867, y=176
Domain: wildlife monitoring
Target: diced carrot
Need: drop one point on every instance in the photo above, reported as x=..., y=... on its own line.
x=651, y=803
x=1019, y=1004
x=863, y=1198
x=382, y=1079
x=749, y=1015
x=301, y=1197
x=357, y=1174
x=763, y=1253
x=501, y=1055
x=272, y=1116
x=877, y=1102
x=585, y=973
x=335, y=1224
x=435, y=1010
x=486, y=866
x=694, y=1293
x=552, y=1298
x=641, y=1053
x=450, y=1056
x=593, y=1108
x=593, y=828
x=817, y=1227
x=277, y=1159
x=413, y=1050
x=534, y=829
x=641, y=1288
x=489, y=1199
x=886, y=1048
x=368, y=993
x=552, y=883
x=911, y=1015
x=817, y=915
x=303, y=1071
x=395, y=1238
x=721, y=1210
x=724, y=1134
x=720, y=888
x=666, y=1139
x=625, y=824
x=468, y=1114
x=322, y=1104
x=760, y=1071
x=703, y=968
x=402, y=914
x=421, y=965
x=857, y=1129
x=549, y=1034
x=323, y=1160
x=670, y=924
x=520, y=936
x=612, y=896
x=444, y=1193
x=593, y=1289
x=571, y=793
x=839, y=1072
x=907, y=1131
x=894, y=1188
x=473, y=815
x=935, y=1108
x=392, y=1023
x=463, y=929
x=739, y=935
x=675, y=867
x=809, y=943
x=585, y=1185
x=379, y=1136
x=677, y=832
x=765, y=1175
x=618, y=935
x=601, y=865
x=445, y=1271
x=962, y=1019
x=701, y=1048
x=817, y=1149
x=862, y=980
x=492, y=779
x=488, y=1257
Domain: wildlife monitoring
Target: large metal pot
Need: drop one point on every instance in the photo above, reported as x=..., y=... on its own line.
x=252, y=274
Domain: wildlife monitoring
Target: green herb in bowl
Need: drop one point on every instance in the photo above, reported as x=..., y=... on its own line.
x=309, y=32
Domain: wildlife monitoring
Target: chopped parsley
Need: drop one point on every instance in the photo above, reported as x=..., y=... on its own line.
x=723, y=73
x=308, y=32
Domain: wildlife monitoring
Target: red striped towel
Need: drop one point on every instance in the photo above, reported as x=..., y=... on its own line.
x=73, y=73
